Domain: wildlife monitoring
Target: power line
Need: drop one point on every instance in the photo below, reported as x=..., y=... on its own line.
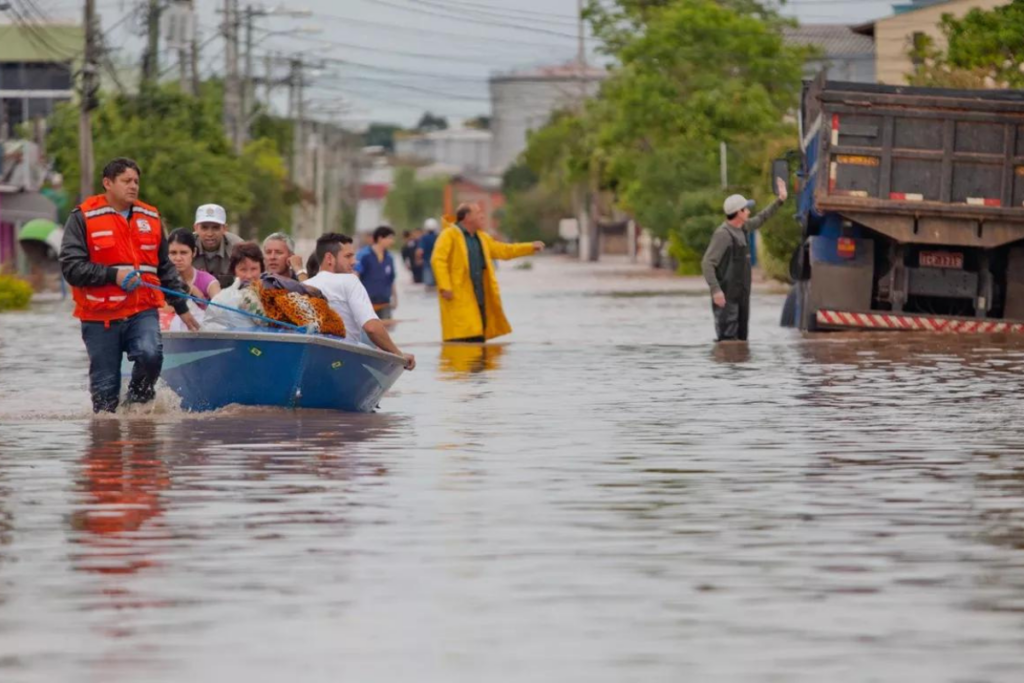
x=392, y=27
x=492, y=9
x=470, y=20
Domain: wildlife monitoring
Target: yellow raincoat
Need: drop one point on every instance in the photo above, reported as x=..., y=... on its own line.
x=460, y=317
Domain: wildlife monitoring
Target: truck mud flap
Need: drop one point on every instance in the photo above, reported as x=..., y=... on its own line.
x=920, y=323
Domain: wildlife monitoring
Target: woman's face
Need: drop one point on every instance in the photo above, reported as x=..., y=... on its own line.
x=180, y=255
x=276, y=254
x=248, y=270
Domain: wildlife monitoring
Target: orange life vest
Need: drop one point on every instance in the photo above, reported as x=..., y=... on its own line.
x=116, y=242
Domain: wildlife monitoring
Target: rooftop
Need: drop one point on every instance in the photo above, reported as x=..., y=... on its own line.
x=45, y=43
x=833, y=39
x=554, y=72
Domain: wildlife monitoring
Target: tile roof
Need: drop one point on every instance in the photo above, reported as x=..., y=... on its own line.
x=833, y=39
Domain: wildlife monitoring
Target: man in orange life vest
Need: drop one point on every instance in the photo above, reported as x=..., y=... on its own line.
x=106, y=238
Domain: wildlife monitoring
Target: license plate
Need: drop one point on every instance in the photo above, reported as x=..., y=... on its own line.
x=941, y=259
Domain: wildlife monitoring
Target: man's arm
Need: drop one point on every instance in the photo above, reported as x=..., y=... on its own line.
x=378, y=334
x=169, y=279
x=712, y=257
x=766, y=213
x=504, y=251
x=75, y=264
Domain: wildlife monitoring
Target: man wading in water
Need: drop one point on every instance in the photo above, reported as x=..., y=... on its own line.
x=726, y=263
x=107, y=238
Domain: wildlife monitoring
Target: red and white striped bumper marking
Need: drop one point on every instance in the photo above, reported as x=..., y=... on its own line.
x=888, y=321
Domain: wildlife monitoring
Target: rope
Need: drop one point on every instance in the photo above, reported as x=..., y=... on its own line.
x=134, y=279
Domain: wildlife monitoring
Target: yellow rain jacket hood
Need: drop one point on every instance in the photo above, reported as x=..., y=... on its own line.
x=460, y=317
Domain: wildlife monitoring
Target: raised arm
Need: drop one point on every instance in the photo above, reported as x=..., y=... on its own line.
x=504, y=251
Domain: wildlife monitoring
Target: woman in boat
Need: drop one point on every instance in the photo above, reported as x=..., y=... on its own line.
x=182, y=250
x=246, y=264
x=279, y=252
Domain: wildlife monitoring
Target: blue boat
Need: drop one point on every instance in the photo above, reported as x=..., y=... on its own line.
x=210, y=370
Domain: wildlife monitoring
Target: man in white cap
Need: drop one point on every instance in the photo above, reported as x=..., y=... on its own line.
x=215, y=243
x=726, y=263
x=426, y=249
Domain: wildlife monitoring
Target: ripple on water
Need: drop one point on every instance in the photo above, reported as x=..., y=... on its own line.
x=603, y=496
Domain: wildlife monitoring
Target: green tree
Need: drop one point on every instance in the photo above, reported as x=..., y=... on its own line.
x=984, y=49
x=411, y=201
x=381, y=135
x=688, y=75
x=430, y=123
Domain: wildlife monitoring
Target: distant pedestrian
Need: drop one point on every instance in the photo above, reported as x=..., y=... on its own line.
x=726, y=263
x=377, y=273
x=411, y=257
x=463, y=263
x=425, y=249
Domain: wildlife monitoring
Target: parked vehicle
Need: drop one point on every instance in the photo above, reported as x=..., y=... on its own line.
x=912, y=208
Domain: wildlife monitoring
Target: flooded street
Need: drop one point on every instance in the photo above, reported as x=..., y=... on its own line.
x=603, y=495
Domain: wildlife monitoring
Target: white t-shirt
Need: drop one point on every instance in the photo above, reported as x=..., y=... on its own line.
x=347, y=296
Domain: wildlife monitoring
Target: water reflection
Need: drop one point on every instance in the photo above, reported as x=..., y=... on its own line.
x=121, y=476
x=731, y=352
x=459, y=360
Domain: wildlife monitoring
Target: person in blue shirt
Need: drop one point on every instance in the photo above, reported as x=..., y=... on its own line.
x=426, y=250
x=377, y=273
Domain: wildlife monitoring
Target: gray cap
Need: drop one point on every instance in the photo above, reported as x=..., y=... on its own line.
x=735, y=202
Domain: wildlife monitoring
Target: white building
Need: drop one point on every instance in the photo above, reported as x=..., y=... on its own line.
x=466, y=149
x=524, y=100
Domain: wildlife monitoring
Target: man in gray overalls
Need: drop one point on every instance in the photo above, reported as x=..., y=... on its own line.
x=726, y=263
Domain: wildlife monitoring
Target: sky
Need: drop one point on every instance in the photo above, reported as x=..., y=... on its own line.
x=390, y=60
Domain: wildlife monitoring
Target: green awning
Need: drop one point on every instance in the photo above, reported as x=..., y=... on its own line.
x=37, y=229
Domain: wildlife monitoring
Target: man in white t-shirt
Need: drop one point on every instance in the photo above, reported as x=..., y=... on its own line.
x=345, y=293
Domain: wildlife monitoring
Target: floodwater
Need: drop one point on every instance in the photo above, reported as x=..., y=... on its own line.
x=603, y=496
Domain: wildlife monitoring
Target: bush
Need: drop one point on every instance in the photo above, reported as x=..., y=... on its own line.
x=14, y=293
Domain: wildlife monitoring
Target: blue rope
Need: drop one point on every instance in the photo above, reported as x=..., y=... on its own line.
x=130, y=284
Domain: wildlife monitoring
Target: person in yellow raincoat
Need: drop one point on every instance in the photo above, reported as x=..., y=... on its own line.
x=466, y=284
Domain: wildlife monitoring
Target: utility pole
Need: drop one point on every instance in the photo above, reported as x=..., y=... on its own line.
x=248, y=92
x=232, y=94
x=296, y=112
x=151, y=62
x=89, y=88
x=194, y=52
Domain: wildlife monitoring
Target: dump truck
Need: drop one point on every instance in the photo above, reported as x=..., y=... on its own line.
x=911, y=202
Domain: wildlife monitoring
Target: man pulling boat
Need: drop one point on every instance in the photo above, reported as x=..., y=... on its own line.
x=106, y=239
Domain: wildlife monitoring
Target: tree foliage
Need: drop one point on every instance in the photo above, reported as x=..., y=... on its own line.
x=411, y=201
x=180, y=145
x=381, y=135
x=984, y=49
x=429, y=123
x=688, y=75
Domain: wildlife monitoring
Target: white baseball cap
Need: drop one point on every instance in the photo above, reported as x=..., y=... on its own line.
x=211, y=213
x=735, y=202
x=430, y=224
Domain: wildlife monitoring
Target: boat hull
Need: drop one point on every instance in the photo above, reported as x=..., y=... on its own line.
x=210, y=370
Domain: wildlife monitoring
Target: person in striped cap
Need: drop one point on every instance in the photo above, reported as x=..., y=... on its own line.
x=726, y=263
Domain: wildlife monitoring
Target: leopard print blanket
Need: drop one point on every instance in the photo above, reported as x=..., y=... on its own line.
x=313, y=313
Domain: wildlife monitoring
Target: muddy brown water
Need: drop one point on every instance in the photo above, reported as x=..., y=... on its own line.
x=603, y=496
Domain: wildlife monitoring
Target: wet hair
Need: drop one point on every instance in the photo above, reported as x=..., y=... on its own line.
x=118, y=166
x=246, y=250
x=330, y=243
x=183, y=236
x=463, y=211
x=312, y=265
x=382, y=232
x=281, y=237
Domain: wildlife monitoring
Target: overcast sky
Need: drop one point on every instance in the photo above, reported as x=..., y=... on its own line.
x=397, y=58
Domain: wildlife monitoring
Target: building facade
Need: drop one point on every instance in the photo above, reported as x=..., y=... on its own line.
x=895, y=36
x=36, y=71
x=843, y=53
x=524, y=101
x=468, y=149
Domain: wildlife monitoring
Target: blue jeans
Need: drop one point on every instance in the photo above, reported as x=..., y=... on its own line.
x=139, y=337
x=428, y=274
